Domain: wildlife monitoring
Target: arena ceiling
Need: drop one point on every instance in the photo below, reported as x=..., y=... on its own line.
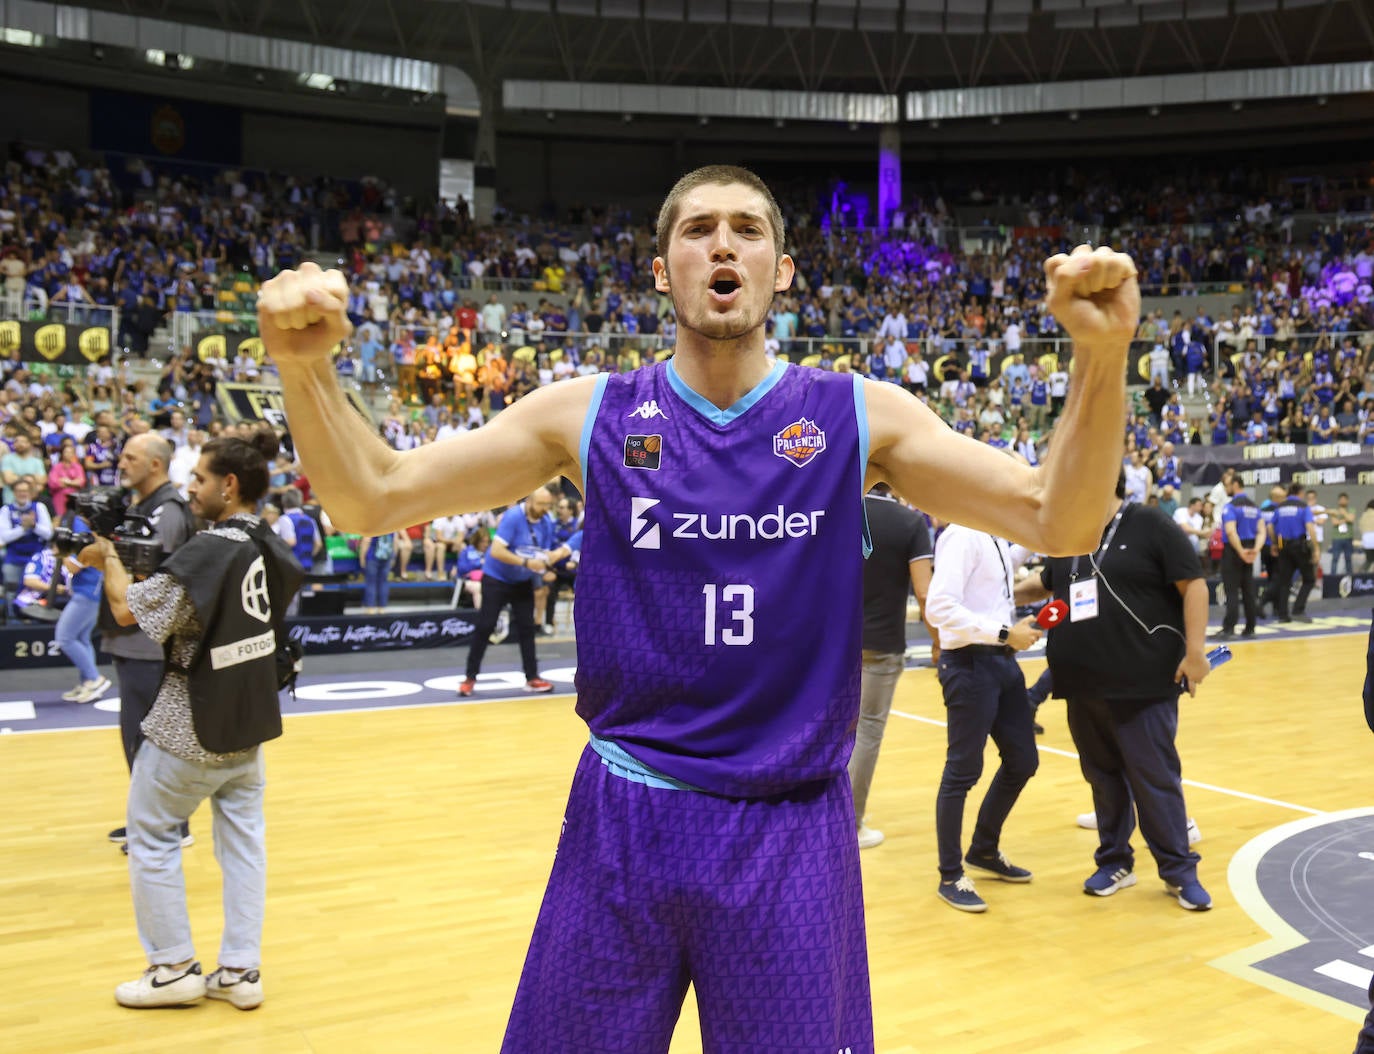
x=887, y=46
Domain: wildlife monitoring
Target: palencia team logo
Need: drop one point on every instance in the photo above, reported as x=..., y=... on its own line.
x=1309, y=883
x=799, y=442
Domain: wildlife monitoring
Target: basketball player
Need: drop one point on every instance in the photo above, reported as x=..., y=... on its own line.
x=709, y=835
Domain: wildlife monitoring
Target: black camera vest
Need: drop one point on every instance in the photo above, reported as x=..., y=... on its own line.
x=240, y=588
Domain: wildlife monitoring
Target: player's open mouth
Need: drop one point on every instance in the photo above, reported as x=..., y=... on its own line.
x=724, y=289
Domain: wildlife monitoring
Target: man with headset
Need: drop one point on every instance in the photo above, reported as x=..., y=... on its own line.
x=1135, y=637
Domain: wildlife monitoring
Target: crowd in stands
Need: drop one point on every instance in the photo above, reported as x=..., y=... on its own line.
x=955, y=316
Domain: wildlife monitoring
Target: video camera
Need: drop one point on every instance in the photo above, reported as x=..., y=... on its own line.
x=106, y=509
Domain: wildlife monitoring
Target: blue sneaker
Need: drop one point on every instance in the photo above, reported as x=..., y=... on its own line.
x=1105, y=881
x=961, y=895
x=997, y=866
x=1191, y=895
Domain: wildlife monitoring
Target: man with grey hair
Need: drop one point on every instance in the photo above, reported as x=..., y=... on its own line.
x=138, y=660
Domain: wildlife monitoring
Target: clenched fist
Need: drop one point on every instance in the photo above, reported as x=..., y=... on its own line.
x=1094, y=295
x=302, y=314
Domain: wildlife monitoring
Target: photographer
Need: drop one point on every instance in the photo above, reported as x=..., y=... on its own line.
x=137, y=660
x=216, y=605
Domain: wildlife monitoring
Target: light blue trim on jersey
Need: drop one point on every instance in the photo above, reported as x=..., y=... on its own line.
x=594, y=408
x=710, y=410
x=861, y=418
x=621, y=764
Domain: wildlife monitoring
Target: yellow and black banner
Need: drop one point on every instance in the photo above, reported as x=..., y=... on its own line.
x=261, y=402
x=61, y=343
x=227, y=347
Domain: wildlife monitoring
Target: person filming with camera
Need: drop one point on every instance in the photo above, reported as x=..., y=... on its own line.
x=217, y=605
x=137, y=659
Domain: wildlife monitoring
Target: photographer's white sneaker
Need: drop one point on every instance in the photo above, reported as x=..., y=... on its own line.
x=242, y=988
x=163, y=986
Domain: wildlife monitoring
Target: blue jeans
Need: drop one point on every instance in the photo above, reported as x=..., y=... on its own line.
x=985, y=695
x=1343, y=547
x=73, y=635
x=375, y=582
x=163, y=793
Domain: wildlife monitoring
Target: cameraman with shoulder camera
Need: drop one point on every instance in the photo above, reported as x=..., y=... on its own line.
x=217, y=606
x=137, y=660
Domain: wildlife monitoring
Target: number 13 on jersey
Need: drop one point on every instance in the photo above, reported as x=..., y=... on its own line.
x=733, y=606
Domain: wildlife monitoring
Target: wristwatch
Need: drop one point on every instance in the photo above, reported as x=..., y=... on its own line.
x=1003, y=634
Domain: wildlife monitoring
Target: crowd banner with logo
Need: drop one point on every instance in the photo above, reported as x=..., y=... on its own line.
x=61, y=343
x=1278, y=464
x=262, y=402
x=30, y=645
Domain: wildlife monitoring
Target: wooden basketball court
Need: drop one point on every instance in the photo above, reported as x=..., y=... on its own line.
x=408, y=850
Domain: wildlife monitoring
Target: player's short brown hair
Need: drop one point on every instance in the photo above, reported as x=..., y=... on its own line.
x=720, y=175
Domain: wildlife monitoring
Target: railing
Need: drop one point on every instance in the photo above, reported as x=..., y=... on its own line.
x=29, y=308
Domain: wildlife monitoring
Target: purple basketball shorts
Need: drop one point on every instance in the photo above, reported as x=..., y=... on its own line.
x=756, y=903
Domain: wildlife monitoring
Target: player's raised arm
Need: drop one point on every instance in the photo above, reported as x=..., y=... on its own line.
x=1060, y=507
x=367, y=487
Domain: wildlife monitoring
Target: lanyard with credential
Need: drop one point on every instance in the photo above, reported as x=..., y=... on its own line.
x=1106, y=544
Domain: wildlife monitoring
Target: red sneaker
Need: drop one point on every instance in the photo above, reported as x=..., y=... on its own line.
x=465, y=689
x=538, y=685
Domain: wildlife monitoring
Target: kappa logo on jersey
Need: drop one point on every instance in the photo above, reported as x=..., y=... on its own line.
x=644, y=534
x=253, y=590
x=1307, y=883
x=778, y=525
x=799, y=442
x=647, y=410
x=643, y=451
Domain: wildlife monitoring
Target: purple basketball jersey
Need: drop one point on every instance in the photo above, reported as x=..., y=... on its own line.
x=720, y=595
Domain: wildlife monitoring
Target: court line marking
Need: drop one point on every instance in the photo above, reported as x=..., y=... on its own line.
x=1187, y=782
x=522, y=697
x=1242, y=875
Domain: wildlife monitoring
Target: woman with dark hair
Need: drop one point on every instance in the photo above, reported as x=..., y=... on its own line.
x=217, y=604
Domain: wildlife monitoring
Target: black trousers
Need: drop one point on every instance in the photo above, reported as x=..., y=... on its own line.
x=985, y=695
x=1237, y=577
x=562, y=580
x=1127, y=753
x=1293, y=557
x=138, y=681
x=496, y=594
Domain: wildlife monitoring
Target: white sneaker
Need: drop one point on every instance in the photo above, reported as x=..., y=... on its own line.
x=163, y=986
x=868, y=837
x=1087, y=821
x=90, y=690
x=1194, y=835
x=243, y=988
x=74, y=694
x=502, y=630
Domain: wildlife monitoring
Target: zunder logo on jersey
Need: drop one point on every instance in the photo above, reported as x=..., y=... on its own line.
x=778, y=525
x=799, y=442
x=644, y=533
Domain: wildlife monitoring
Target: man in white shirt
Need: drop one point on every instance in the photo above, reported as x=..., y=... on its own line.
x=1139, y=479
x=1189, y=517
x=1059, y=389
x=185, y=459
x=970, y=605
